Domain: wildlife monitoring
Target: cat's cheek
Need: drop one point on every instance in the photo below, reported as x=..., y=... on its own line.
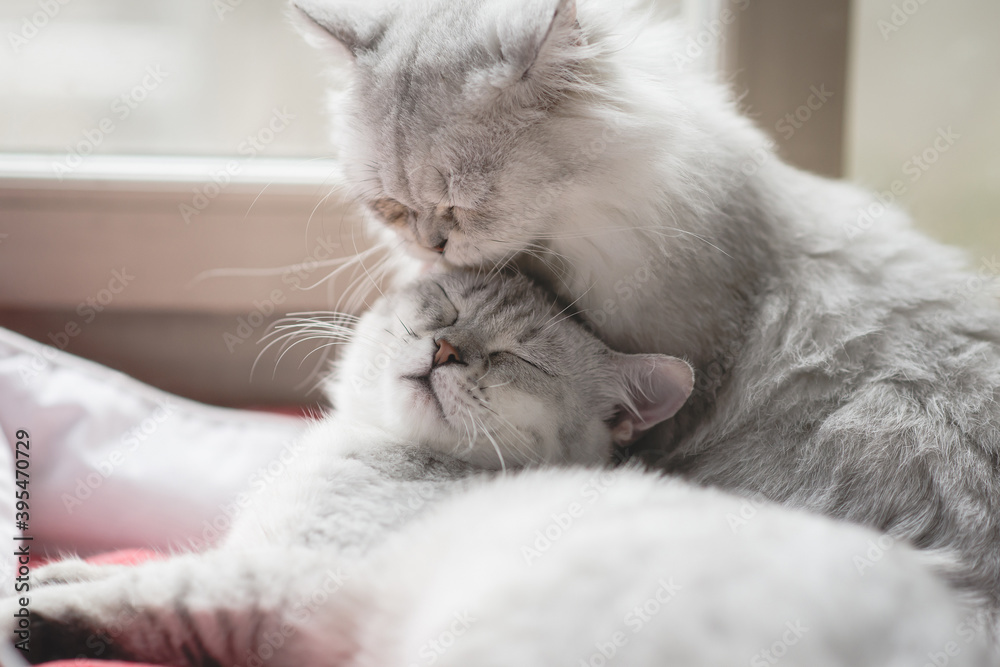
x=410, y=407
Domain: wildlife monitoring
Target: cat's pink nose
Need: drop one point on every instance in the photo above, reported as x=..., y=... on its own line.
x=439, y=248
x=446, y=354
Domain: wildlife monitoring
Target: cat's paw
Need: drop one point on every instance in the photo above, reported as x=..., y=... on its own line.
x=60, y=622
x=71, y=570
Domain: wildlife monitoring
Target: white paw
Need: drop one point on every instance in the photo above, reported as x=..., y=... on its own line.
x=71, y=570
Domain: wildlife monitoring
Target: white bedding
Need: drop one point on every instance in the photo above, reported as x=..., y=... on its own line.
x=115, y=463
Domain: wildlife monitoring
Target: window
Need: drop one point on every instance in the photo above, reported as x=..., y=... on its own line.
x=167, y=138
x=181, y=77
x=160, y=140
x=924, y=100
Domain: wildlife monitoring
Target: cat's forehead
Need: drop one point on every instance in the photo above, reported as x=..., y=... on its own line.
x=436, y=39
x=436, y=152
x=503, y=304
x=513, y=296
x=428, y=104
x=427, y=57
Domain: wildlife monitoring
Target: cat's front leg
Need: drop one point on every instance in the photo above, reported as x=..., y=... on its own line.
x=218, y=608
x=72, y=570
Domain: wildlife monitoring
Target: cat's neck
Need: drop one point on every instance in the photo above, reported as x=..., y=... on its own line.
x=671, y=207
x=340, y=437
x=703, y=270
x=673, y=235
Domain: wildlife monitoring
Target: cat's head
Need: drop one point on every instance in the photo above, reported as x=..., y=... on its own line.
x=494, y=371
x=458, y=129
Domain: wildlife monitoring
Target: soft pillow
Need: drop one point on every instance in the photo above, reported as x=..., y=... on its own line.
x=117, y=464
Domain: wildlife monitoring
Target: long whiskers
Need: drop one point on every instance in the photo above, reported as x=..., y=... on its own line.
x=358, y=258
x=297, y=328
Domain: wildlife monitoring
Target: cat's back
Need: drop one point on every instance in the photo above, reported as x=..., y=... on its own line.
x=560, y=567
x=869, y=384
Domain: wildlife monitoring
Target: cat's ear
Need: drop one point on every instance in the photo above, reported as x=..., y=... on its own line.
x=550, y=39
x=353, y=24
x=654, y=388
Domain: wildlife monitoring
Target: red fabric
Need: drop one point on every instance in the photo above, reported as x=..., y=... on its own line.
x=124, y=557
x=303, y=411
x=95, y=663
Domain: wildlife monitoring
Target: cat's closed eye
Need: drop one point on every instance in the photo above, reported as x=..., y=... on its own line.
x=502, y=355
x=391, y=211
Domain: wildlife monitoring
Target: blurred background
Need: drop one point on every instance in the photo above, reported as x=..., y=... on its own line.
x=166, y=138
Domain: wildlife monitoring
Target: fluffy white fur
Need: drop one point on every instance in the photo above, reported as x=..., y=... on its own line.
x=545, y=567
x=574, y=568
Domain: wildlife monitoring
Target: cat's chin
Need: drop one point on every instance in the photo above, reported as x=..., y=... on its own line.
x=424, y=397
x=431, y=261
x=422, y=254
x=427, y=410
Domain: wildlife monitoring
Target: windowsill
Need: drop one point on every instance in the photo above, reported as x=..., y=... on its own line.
x=162, y=173
x=168, y=221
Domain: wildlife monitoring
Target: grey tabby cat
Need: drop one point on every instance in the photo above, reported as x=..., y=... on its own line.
x=450, y=378
x=851, y=364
